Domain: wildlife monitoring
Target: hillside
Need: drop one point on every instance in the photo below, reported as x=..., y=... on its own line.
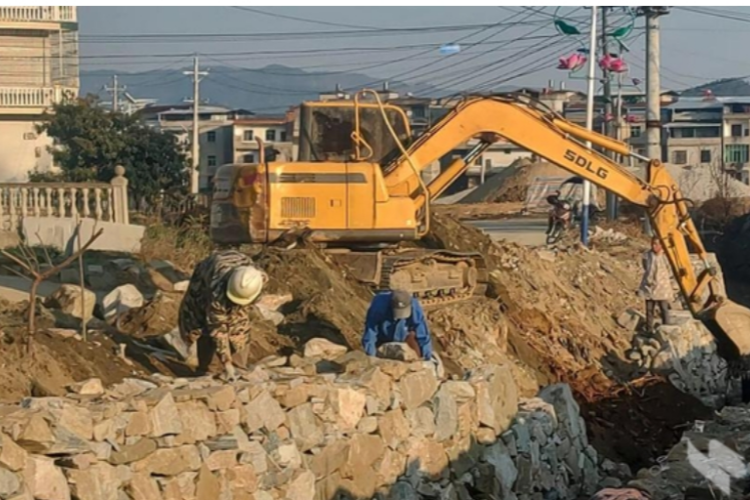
x=270, y=89
x=725, y=87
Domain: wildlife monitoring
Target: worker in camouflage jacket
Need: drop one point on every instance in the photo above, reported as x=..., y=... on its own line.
x=218, y=304
x=656, y=284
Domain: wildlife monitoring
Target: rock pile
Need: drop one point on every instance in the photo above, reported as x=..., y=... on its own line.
x=685, y=352
x=302, y=428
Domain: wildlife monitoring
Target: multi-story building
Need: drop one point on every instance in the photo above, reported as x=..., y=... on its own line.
x=215, y=131
x=225, y=135
x=39, y=54
x=274, y=132
x=709, y=132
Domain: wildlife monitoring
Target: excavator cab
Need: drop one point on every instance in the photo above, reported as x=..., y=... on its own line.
x=345, y=131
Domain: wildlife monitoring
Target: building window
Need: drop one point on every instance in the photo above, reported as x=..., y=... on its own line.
x=211, y=161
x=478, y=161
x=507, y=151
x=270, y=135
x=211, y=136
x=250, y=158
x=679, y=157
x=283, y=136
x=736, y=153
x=705, y=156
x=247, y=135
x=737, y=130
x=635, y=131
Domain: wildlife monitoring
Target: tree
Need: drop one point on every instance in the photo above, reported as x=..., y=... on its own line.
x=88, y=142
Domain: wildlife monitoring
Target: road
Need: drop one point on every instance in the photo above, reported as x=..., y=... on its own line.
x=524, y=231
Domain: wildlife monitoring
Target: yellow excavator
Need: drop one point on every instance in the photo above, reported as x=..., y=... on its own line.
x=357, y=190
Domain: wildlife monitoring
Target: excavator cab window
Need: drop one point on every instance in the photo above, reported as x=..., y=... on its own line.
x=327, y=129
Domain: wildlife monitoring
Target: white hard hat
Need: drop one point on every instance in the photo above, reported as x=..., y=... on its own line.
x=245, y=284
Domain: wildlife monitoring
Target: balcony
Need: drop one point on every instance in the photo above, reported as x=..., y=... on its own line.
x=31, y=100
x=38, y=14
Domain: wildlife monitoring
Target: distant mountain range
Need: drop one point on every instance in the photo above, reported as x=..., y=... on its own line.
x=725, y=87
x=265, y=90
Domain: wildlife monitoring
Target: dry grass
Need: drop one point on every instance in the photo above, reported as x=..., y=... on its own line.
x=184, y=245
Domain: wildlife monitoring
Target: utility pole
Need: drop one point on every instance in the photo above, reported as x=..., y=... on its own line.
x=653, y=89
x=115, y=90
x=609, y=123
x=589, y=125
x=196, y=74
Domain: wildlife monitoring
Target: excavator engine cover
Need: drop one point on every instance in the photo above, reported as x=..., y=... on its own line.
x=434, y=276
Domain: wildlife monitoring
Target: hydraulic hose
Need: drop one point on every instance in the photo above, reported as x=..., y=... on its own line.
x=414, y=168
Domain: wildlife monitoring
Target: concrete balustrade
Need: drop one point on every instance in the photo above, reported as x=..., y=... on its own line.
x=101, y=201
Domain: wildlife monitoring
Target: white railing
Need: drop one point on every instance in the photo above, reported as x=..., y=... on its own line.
x=31, y=97
x=40, y=14
x=95, y=200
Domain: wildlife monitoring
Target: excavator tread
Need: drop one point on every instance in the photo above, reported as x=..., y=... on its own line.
x=401, y=259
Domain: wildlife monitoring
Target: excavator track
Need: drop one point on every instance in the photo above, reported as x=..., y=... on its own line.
x=436, y=277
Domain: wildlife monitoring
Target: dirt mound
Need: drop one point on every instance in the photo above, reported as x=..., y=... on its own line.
x=559, y=307
x=478, y=211
x=326, y=303
x=156, y=317
x=512, y=184
x=55, y=360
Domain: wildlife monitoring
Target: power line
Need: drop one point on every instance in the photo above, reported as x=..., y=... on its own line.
x=224, y=37
x=541, y=64
x=715, y=14
x=412, y=70
x=270, y=53
x=311, y=21
x=519, y=56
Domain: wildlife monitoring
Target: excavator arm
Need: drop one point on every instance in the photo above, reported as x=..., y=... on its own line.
x=562, y=143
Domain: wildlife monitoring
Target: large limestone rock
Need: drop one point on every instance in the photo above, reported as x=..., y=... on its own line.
x=121, y=299
x=497, y=396
x=45, y=480
x=73, y=301
x=323, y=348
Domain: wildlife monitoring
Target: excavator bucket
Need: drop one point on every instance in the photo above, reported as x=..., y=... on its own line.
x=733, y=321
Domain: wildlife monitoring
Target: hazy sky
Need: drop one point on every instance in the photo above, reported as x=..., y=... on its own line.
x=696, y=47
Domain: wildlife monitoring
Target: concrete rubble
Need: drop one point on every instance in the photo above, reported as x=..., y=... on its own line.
x=376, y=428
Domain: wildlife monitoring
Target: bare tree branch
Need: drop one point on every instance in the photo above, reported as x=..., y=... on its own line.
x=40, y=276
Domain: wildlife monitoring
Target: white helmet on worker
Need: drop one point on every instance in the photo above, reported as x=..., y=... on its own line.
x=245, y=284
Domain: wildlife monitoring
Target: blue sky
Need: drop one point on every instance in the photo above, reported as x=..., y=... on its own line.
x=695, y=47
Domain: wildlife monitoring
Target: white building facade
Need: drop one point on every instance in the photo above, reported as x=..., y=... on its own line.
x=40, y=67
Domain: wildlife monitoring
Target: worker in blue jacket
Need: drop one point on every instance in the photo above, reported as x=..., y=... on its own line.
x=396, y=316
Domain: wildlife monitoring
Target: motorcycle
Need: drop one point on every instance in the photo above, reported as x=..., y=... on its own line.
x=562, y=221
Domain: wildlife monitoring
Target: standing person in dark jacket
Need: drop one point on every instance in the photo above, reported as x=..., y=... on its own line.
x=396, y=316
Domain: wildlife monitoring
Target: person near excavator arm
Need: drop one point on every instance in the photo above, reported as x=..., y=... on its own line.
x=656, y=285
x=396, y=316
x=218, y=304
x=558, y=210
